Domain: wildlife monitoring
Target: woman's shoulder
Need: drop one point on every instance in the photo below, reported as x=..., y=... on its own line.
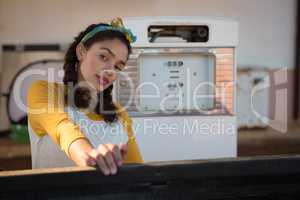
x=44, y=86
x=122, y=113
x=46, y=83
x=45, y=91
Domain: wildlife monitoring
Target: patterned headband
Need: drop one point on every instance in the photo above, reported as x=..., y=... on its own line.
x=115, y=25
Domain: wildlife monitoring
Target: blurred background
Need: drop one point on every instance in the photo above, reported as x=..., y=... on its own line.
x=33, y=31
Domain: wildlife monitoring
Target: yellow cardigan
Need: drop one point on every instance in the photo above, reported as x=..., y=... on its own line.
x=46, y=115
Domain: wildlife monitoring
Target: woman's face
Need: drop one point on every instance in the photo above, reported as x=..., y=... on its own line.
x=100, y=64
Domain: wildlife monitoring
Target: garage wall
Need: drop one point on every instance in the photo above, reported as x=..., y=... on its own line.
x=267, y=28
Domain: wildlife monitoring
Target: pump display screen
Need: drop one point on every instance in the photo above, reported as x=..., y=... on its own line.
x=178, y=81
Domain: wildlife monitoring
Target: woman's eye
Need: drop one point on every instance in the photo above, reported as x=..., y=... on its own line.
x=103, y=57
x=118, y=68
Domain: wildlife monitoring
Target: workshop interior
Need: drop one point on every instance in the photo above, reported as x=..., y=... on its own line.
x=222, y=75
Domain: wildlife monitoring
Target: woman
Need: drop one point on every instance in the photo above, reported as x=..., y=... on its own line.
x=73, y=122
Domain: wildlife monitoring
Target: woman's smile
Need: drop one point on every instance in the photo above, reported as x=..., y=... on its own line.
x=102, y=80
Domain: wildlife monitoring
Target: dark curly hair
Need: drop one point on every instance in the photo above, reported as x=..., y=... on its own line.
x=81, y=95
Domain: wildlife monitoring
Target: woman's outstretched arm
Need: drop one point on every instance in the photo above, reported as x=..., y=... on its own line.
x=46, y=115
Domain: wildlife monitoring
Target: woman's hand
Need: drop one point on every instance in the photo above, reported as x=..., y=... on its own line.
x=108, y=157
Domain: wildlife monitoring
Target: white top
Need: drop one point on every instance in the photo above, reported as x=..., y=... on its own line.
x=47, y=154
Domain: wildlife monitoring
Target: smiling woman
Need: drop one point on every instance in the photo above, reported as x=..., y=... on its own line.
x=100, y=64
x=63, y=116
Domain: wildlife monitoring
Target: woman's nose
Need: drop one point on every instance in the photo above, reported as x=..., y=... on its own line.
x=109, y=72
